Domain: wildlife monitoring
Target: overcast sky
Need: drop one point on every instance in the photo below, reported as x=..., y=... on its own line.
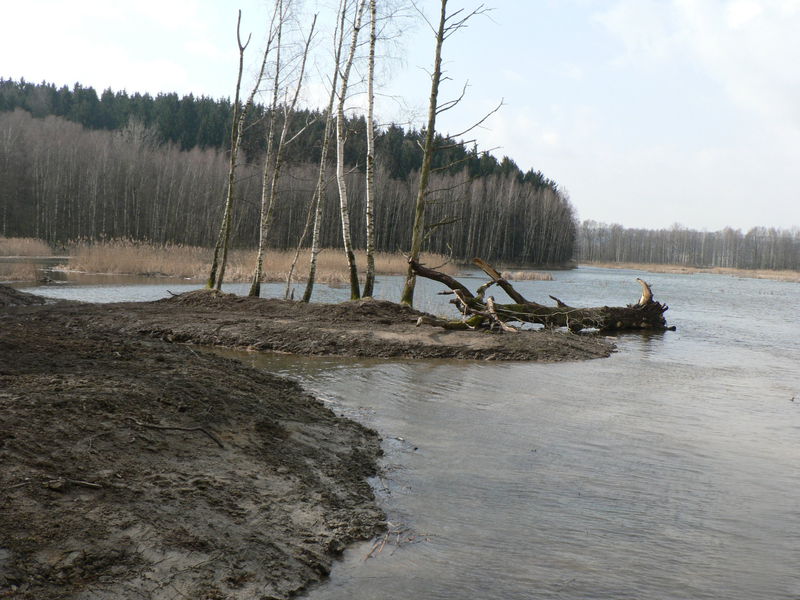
x=647, y=112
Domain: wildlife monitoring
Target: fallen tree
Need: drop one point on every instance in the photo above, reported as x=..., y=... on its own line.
x=646, y=314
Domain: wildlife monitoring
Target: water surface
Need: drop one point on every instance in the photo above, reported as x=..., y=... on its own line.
x=669, y=470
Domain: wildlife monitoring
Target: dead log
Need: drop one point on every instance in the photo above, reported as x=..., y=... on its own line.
x=646, y=314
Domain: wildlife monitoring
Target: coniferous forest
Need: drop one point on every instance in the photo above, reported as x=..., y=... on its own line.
x=75, y=165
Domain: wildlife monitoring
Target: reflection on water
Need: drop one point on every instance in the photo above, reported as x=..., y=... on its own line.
x=669, y=470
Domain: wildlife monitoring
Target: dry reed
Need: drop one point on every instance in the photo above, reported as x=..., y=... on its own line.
x=786, y=275
x=19, y=271
x=526, y=276
x=193, y=262
x=24, y=247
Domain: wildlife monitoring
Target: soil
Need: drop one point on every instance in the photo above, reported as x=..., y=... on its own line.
x=137, y=467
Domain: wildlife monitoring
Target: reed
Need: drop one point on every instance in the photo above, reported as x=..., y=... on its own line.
x=17, y=246
x=784, y=275
x=526, y=276
x=21, y=271
x=193, y=262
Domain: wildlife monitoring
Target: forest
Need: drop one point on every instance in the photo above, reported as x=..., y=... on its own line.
x=758, y=248
x=77, y=166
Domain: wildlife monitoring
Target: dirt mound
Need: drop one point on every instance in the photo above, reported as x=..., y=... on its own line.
x=205, y=298
x=140, y=469
x=381, y=312
x=366, y=310
x=12, y=297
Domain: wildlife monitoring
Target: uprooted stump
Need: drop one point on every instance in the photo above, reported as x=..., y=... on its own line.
x=647, y=314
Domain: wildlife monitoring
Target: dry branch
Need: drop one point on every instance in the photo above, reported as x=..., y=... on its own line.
x=647, y=314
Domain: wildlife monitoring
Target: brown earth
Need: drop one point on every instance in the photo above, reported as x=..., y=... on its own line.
x=137, y=468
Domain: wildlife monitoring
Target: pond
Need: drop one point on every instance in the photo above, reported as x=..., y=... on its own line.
x=669, y=470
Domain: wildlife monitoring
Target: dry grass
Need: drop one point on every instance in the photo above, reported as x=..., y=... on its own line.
x=526, y=276
x=127, y=257
x=19, y=271
x=679, y=269
x=24, y=247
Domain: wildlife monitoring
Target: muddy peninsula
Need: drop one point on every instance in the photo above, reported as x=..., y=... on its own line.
x=135, y=465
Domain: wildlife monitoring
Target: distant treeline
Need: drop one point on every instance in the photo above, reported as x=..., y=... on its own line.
x=201, y=122
x=759, y=248
x=61, y=181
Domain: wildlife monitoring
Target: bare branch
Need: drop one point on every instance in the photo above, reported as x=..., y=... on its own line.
x=482, y=120
x=445, y=106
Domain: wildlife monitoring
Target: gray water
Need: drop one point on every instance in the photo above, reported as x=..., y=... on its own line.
x=669, y=470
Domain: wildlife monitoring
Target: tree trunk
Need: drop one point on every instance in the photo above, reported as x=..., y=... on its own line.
x=369, y=281
x=221, y=248
x=355, y=292
x=268, y=207
x=647, y=314
x=321, y=189
x=425, y=170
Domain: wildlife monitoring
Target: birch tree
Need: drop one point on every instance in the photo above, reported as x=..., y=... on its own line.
x=369, y=281
x=239, y=114
x=355, y=292
x=275, y=148
x=320, y=190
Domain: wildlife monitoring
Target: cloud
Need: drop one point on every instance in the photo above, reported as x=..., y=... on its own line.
x=752, y=50
x=646, y=28
x=741, y=12
x=749, y=49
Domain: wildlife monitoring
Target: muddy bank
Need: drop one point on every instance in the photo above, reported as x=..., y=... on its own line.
x=366, y=328
x=104, y=496
x=134, y=466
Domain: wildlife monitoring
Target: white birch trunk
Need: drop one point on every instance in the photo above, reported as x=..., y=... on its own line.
x=321, y=188
x=355, y=292
x=268, y=208
x=369, y=282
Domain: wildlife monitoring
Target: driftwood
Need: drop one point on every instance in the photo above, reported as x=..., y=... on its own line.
x=646, y=314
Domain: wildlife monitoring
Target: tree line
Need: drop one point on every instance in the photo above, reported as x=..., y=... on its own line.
x=758, y=248
x=191, y=121
x=60, y=181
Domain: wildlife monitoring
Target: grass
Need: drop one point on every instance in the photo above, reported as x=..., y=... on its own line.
x=682, y=270
x=193, y=262
x=24, y=247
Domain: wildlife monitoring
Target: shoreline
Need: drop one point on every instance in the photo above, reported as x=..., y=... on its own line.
x=790, y=276
x=138, y=467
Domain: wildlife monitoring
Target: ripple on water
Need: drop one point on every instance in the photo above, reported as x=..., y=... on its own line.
x=668, y=470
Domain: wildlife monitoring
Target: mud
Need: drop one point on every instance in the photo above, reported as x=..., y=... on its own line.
x=365, y=328
x=137, y=467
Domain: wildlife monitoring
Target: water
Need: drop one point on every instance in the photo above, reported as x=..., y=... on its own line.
x=669, y=470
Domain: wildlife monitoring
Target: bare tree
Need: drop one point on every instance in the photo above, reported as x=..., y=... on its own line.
x=344, y=210
x=239, y=114
x=425, y=171
x=448, y=25
x=275, y=150
x=217, y=264
x=369, y=281
x=320, y=190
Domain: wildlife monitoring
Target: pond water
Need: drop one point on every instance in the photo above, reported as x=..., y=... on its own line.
x=669, y=470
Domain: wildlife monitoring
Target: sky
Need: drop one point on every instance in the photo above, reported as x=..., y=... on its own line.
x=647, y=113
